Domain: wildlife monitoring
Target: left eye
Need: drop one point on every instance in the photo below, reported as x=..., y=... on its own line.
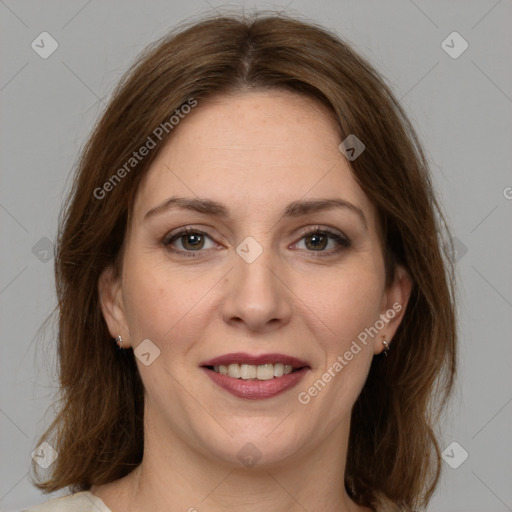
x=321, y=241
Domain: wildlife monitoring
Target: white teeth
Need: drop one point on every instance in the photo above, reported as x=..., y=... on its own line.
x=251, y=371
x=248, y=371
x=234, y=370
x=278, y=370
x=265, y=372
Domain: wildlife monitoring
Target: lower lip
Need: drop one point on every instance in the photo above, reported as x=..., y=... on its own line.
x=257, y=389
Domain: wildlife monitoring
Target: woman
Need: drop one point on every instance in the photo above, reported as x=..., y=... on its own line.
x=255, y=312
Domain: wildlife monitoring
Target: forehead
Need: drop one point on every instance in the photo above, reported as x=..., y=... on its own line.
x=250, y=149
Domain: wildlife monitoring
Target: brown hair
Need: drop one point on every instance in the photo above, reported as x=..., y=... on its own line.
x=393, y=457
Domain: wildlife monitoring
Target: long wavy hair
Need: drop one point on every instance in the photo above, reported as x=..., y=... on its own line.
x=393, y=460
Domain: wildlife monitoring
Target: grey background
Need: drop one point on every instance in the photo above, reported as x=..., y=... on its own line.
x=461, y=107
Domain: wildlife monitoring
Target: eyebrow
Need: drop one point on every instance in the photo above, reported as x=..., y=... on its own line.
x=292, y=210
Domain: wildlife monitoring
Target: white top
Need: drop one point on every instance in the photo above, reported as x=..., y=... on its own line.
x=79, y=502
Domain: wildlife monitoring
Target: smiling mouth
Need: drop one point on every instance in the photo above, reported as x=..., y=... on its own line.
x=266, y=371
x=255, y=377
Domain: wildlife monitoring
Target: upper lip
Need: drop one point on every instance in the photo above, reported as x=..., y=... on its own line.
x=243, y=358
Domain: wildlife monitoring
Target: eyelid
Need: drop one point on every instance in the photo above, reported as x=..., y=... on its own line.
x=319, y=228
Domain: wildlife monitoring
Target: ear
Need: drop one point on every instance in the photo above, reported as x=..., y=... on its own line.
x=112, y=305
x=394, y=304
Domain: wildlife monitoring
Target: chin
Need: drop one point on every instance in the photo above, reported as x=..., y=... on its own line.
x=253, y=442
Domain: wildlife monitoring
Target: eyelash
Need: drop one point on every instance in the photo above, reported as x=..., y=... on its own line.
x=342, y=240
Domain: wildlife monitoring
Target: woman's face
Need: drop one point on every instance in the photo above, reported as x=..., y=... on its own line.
x=281, y=268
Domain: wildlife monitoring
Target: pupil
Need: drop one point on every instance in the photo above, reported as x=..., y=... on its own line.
x=193, y=241
x=317, y=242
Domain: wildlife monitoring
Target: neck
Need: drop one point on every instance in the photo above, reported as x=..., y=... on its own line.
x=175, y=476
x=218, y=488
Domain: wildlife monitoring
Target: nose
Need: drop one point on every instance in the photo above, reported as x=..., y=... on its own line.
x=257, y=296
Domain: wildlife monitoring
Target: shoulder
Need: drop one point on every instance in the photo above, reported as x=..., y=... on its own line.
x=79, y=502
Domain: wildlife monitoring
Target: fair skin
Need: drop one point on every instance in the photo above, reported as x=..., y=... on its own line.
x=303, y=296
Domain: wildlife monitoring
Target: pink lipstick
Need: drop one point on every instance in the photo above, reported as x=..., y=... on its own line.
x=255, y=377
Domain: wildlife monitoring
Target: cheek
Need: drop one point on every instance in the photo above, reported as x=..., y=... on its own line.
x=340, y=322
x=342, y=305
x=160, y=303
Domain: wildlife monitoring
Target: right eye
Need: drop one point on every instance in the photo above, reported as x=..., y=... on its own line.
x=186, y=241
